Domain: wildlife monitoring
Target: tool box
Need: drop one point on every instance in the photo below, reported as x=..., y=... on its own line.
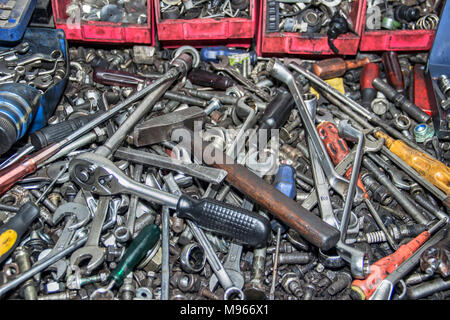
x=282, y=43
x=44, y=40
x=396, y=40
x=233, y=32
x=14, y=18
x=103, y=31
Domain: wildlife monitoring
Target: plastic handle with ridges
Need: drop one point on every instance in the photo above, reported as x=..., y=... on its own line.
x=57, y=132
x=226, y=220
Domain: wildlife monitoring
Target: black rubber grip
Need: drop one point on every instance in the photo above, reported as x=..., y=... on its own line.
x=11, y=232
x=226, y=220
x=55, y=133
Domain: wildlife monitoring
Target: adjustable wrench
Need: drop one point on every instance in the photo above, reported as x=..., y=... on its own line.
x=224, y=65
x=337, y=182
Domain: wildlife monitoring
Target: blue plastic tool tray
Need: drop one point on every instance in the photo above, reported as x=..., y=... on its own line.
x=14, y=18
x=45, y=40
x=439, y=61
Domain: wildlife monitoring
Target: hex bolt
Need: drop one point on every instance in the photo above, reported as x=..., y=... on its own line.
x=22, y=258
x=66, y=295
x=255, y=289
x=291, y=284
x=309, y=292
x=205, y=292
x=417, y=278
x=397, y=232
x=428, y=288
x=342, y=282
x=294, y=258
x=128, y=288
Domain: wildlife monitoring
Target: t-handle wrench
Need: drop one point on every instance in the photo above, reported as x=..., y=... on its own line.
x=100, y=176
x=338, y=183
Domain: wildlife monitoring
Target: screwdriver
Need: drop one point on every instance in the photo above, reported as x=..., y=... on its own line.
x=144, y=241
x=337, y=148
x=28, y=164
x=383, y=267
x=431, y=169
x=13, y=230
x=336, y=67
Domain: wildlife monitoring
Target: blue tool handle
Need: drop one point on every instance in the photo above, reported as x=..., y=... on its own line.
x=210, y=54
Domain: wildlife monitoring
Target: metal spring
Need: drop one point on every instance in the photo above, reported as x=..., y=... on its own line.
x=375, y=237
x=427, y=22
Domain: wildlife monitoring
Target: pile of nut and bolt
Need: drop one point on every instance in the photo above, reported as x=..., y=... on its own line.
x=116, y=180
x=128, y=11
x=402, y=14
x=202, y=9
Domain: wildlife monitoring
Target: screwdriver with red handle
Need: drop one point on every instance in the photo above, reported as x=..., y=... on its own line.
x=336, y=67
x=337, y=148
x=383, y=267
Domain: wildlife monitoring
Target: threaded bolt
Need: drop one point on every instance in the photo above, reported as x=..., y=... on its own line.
x=291, y=284
x=66, y=295
x=343, y=280
x=22, y=258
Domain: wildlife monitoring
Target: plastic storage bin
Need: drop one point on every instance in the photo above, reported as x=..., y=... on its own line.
x=15, y=18
x=233, y=32
x=281, y=43
x=396, y=40
x=104, y=32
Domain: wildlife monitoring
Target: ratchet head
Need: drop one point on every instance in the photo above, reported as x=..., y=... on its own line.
x=97, y=174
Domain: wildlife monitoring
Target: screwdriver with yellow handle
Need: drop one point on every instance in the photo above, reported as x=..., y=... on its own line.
x=431, y=169
x=13, y=230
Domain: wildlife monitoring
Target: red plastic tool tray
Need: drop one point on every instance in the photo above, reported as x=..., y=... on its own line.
x=280, y=43
x=235, y=32
x=104, y=32
x=396, y=40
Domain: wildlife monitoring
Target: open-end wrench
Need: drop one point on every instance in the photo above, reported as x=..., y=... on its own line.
x=20, y=48
x=321, y=183
x=399, y=178
x=218, y=268
x=224, y=65
x=79, y=216
x=91, y=249
x=99, y=175
x=337, y=182
x=357, y=258
x=232, y=262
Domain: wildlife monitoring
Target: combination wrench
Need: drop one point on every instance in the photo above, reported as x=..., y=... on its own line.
x=218, y=268
x=337, y=182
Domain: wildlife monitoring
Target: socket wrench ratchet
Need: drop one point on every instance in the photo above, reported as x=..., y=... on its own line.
x=100, y=176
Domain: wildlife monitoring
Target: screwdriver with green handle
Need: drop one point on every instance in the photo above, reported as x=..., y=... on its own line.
x=144, y=241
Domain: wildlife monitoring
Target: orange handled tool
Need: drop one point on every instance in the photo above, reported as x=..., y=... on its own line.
x=431, y=169
x=383, y=267
x=337, y=148
x=336, y=67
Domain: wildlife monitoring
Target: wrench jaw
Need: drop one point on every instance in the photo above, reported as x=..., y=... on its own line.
x=359, y=260
x=96, y=256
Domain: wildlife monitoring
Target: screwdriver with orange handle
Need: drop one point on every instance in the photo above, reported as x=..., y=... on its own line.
x=337, y=148
x=385, y=266
x=336, y=67
x=431, y=169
